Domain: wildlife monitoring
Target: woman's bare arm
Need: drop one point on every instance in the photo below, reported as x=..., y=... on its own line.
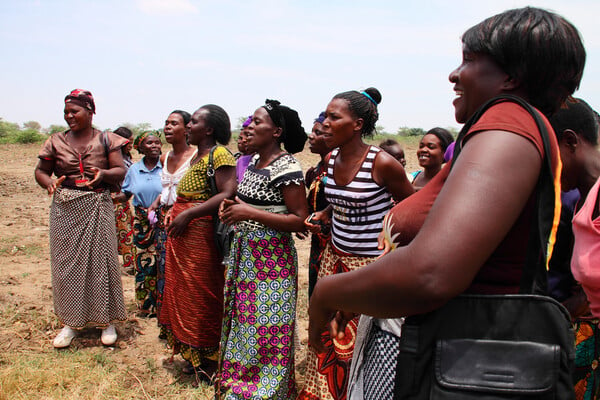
x=484, y=195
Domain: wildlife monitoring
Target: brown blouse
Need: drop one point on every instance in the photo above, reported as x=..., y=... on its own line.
x=66, y=159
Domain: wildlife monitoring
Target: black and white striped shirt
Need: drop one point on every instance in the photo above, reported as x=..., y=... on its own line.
x=358, y=208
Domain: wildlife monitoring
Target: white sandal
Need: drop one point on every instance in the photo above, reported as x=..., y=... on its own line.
x=109, y=335
x=64, y=337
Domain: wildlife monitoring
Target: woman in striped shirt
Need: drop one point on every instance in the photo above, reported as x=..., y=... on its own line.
x=362, y=180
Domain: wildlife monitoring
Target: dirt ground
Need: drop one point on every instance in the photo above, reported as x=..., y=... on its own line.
x=139, y=366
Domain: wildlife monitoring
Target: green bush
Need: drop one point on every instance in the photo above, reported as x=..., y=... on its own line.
x=8, y=128
x=24, y=136
x=29, y=136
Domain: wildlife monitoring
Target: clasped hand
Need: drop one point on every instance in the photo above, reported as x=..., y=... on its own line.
x=232, y=211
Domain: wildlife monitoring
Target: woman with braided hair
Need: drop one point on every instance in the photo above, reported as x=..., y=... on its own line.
x=257, y=345
x=362, y=181
x=467, y=230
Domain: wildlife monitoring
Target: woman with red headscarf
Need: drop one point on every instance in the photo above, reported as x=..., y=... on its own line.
x=86, y=281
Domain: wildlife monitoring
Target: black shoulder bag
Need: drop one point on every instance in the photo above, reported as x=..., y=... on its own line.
x=495, y=346
x=223, y=232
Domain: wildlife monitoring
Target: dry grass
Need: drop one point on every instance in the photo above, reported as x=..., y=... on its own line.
x=139, y=367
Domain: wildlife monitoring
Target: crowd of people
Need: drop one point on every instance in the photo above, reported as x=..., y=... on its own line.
x=386, y=245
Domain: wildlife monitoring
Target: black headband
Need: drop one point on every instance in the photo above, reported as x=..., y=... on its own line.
x=274, y=111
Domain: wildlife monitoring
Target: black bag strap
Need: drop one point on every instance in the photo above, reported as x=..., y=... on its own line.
x=210, y=172
x=541, y=241
x=543, y=228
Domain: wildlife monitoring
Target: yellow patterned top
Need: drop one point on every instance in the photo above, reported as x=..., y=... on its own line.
x=194, y=184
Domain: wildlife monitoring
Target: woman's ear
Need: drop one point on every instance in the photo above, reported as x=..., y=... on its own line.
x=511, y=84
x=278, y=132
x=569, y=139
x=358, y=125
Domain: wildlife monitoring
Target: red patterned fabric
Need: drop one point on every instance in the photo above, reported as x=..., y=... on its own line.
x=327, y=373
x=124, y=218
x=192, y=303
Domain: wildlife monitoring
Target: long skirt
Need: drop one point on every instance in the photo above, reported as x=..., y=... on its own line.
x=192, y=309
x=587, y=356
x=161, y=255
x=86, y=280
x=257, y=356
x=124, y=218
x=327, y=373
x=146, y=260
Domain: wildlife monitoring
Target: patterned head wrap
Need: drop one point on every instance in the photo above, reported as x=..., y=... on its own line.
x=140, y=138
x=82, y=98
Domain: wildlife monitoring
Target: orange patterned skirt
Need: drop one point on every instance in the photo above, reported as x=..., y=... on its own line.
x=327, y=373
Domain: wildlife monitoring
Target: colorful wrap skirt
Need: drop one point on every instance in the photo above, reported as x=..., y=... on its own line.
x=327, y=373
x=124, y=218
x=86, y=279
x=586, y=376
x=161, y=254
x=192, y=306
x=146, y=262
x=257, y=355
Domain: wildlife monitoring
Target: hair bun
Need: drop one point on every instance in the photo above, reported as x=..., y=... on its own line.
x=374, y=93
x=294, y=136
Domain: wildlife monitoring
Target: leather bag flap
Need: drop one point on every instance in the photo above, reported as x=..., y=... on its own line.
x=495, y=366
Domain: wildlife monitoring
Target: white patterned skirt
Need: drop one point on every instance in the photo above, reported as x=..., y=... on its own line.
x=86, y=280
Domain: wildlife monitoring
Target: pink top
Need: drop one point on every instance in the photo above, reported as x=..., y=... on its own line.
x=585, y=262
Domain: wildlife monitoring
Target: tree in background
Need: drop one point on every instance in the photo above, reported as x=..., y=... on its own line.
x=136, y=129
x=32, y=125
x=8, y=128
x=406, y=131
x=55, y=128
x=10, y=132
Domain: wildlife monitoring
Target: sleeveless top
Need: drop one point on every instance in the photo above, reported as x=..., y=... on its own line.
x=358, y=208
x=586, y=250
x=501, y=273
x=170, y=181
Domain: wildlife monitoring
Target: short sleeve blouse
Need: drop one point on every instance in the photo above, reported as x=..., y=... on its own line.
x=66, y=158
x=261, y=187
x=194, y=184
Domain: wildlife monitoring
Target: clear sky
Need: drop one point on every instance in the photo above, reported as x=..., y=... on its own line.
x=142, y=59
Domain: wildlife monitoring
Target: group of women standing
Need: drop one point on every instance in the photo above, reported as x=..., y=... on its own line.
x=234, y=319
